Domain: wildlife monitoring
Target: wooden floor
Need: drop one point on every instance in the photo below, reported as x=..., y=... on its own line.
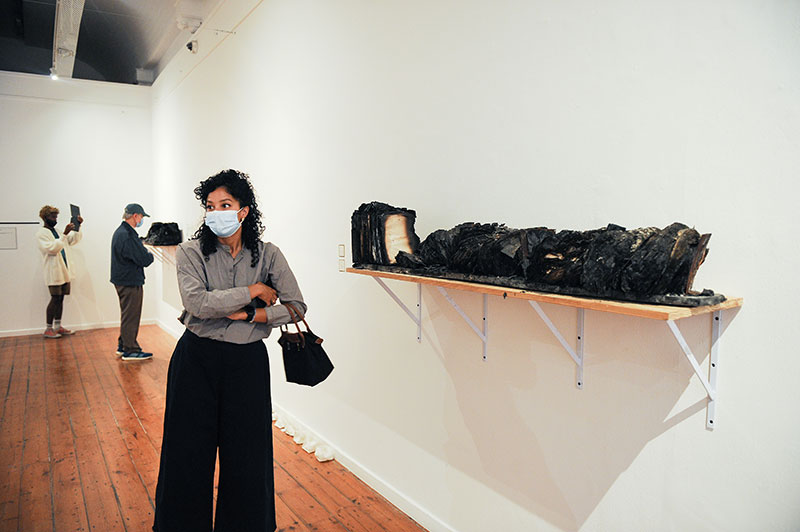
x=80, y=437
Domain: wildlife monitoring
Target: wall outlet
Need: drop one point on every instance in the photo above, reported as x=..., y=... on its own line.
x=342, y=265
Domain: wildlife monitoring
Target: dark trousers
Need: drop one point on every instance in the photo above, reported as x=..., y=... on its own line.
x=218, y=396
x=130, y=313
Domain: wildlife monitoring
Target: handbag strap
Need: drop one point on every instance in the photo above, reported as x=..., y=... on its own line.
x=295, y=315
x=285, y=327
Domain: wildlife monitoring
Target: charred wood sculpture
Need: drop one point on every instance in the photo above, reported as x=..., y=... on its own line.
x=383, y=231
x=163, y=234
x=646, y=265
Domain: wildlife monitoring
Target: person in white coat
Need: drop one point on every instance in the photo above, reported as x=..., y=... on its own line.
x=57, y=274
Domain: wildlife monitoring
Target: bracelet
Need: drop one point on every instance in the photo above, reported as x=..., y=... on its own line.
x=251, y=314
x=253, y=319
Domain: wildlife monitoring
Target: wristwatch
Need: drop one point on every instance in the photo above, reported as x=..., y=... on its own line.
x=251, y=314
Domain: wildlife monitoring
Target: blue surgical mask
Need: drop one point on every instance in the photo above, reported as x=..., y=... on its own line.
x=139, y=223
x=223, y=223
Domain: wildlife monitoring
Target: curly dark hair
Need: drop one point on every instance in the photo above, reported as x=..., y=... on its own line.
x=238, y=185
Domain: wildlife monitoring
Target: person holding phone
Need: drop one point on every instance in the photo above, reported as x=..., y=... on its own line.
x=56, y=266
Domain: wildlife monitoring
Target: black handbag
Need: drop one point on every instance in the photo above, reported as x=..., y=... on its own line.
x=304, y=360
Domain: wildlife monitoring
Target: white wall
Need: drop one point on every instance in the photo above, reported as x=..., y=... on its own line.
x=63, y=142
x=559, y=114
x=565, y=114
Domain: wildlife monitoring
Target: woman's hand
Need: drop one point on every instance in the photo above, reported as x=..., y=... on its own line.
x=238, y=315
x=264, y=293
x=71, y=227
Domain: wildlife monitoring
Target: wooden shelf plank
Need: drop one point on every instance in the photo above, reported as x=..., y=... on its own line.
x=656, y=312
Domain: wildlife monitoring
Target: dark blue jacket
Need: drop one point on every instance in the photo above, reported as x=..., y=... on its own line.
x=128, y=257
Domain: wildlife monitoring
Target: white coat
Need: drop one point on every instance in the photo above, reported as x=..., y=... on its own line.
x=55, y=271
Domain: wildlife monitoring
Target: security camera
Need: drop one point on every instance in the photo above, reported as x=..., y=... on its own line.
x=192, y=46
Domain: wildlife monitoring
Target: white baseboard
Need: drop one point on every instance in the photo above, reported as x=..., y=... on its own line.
x=419, y=514
x=74, y=327
x=175, y=331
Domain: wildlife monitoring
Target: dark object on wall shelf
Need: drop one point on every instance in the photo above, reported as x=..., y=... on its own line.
x=646, y=265
x=383, y=232
x=163, y=234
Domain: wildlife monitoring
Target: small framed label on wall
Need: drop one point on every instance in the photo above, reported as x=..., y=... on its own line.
x=8, y=238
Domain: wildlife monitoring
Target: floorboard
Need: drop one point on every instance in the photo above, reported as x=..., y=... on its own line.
x=80, y=438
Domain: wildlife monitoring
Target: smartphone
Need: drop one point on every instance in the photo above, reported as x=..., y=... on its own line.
x=75, y=213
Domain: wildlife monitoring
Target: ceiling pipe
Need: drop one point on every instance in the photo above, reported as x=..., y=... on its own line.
x=65, y=36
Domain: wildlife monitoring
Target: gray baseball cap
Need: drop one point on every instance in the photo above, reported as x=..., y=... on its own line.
x=135, y=208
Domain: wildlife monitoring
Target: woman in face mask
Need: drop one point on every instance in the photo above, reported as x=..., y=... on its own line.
x=57, y=273
x=218, y=389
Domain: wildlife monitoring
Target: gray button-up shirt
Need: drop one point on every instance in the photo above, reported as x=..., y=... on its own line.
x=213, y=289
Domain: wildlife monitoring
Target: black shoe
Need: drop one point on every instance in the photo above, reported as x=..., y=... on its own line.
x=136, y=355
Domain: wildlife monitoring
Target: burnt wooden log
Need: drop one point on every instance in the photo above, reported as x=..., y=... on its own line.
x=472, y=248
x=380, y=232
x=163, y=234
x=645, y=265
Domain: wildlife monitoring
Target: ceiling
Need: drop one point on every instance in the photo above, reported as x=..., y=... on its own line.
x=116, y=36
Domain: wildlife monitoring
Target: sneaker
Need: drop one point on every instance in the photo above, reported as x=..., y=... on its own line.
x=63, y=332
x=140, y=355
x=50, y=333
x=120, y=351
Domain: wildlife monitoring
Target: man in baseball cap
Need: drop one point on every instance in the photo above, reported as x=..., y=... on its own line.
x=135, y=208
x=129, y=258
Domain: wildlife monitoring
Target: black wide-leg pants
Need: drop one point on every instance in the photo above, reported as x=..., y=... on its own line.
x=218, y=395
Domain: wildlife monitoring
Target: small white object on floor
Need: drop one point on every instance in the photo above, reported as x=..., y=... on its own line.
x=279, y=422
x=324, y=453
x=289, y=429
x=310, y=445
x=274, y=416
x=299, y=437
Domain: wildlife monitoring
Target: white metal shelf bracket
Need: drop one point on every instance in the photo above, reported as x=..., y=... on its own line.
x=416, y=319
x=576, y=354
x=161, y=255
x=709, y=384
x=484, y=335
